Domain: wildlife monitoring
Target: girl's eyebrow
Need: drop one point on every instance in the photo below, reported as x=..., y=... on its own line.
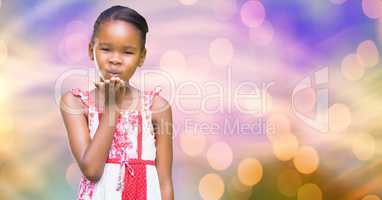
x=129, y=47
x=125, y=47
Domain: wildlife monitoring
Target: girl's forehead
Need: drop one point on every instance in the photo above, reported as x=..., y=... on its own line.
x=118, y=31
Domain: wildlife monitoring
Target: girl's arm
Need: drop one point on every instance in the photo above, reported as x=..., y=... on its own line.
x=90, y=154
x=162, y=119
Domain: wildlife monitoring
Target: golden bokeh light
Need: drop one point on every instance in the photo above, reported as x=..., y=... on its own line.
x=285, y=147
x=221, y=51
x=211, y=187
x=339, y=117
x=288, y=182
x=250, y=171
x=368, y=54
x=364, y=146
x=306, y=160
x=351, y=68
x=371, y=197
x=192, y=144
x=220, y=156
x=309, y=191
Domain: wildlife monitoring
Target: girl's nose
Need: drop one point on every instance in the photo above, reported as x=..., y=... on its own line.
x=115, y=59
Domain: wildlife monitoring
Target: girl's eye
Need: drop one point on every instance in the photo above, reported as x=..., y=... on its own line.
x=105, y=49
x=127, y=52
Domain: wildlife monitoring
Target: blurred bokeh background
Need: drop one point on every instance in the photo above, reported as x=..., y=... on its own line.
x=287, y=103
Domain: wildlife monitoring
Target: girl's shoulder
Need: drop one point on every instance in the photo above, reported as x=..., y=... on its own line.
x=157, y=103
x=83, y=95
x=75, y=101
x=152, y=95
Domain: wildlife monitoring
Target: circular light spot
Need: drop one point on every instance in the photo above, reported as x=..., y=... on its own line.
x=372, y=8
x=73, y=175
x=371, y=197
x=221, y=51
x=252, y=13
x=305, y=100
x=188, y=2
x=174, y=62
x=309, y=191
x=279, y=124
x=192, y=144
x=306, y=160
x=339, y=117
x=351, y=68
x=211, y=187
x=368, y=53
x=3, y=52
x=338, y=2
x=285, y=147
x=250, y=171
x=288, y=182
x=363, y=146
x=73, y=48
x=262, y=35
x=219, y=156
x=224, y=9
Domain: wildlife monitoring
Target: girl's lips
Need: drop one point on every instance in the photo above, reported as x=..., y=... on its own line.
x=113, y=74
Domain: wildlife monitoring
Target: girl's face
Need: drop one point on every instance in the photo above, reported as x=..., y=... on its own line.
x=117, y=49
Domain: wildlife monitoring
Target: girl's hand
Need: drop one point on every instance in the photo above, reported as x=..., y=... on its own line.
x=111, y=92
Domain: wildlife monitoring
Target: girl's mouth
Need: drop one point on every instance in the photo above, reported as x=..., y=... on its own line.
x=113, y=74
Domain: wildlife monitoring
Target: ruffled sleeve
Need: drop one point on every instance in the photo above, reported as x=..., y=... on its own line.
x=83, y=95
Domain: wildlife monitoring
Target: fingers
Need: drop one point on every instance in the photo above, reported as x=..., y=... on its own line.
x=112, y=83
x=112, y=90
x=99, y=84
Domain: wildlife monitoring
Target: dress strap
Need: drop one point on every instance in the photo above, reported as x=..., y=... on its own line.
x=84, y=96
x=139, y=136
x=150, y=96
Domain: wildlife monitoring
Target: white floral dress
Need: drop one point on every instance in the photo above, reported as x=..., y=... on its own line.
x=129, y=172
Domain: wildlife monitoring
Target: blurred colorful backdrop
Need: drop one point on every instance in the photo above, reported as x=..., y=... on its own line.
x=272, y=100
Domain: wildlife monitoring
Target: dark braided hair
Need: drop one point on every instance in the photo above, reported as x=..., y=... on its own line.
x=125, y=14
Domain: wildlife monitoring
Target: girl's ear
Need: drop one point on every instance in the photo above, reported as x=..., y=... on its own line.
x=90, y=51
x=142, y=58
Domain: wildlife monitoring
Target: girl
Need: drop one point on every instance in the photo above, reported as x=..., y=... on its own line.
x=120, y=153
